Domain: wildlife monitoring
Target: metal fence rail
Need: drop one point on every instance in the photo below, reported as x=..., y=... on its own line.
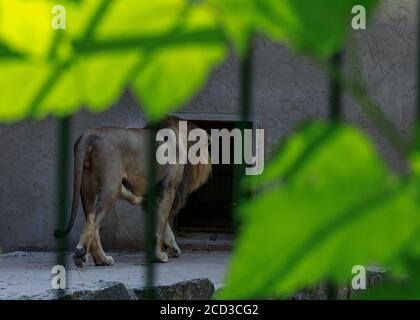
x=62, y=178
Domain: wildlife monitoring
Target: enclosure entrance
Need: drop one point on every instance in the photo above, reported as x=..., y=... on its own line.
x=209, y=209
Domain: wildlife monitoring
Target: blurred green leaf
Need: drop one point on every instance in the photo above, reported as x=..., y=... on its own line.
x=238, y=20
x=414, y=155
x=129, y=18
x=164, y=49
x=335, y=205
x=20, y=82
x=173, y=75
x=25, y=26
x=317, y=28
x=94, y=81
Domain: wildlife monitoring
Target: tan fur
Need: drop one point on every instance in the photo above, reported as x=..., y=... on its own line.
x=110, y=164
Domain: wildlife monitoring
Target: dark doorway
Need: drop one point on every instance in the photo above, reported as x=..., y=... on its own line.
x=209, y=209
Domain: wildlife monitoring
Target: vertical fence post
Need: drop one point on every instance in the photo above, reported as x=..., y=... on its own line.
x=62, y=181
x=335, y=114
x=335, y=91
x=246, y=84
x=417, y=115
x=150, y=206
x=245, y=104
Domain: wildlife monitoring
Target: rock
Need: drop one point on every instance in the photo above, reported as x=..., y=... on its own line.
x=316, y=293
x=96, y=291
x=110, y=291
x=196, y=289
x=374, y=276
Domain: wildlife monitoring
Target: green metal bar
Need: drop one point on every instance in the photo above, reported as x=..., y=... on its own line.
x=335, y=103
x=63, y=134
x=150, y=206
x=245, y=104
x=335, y=114
x=417, y=116
x=62, y=180
x=331, y=291
x=246, y=84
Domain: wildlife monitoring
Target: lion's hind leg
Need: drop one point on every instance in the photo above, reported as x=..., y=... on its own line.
x=96, y=205
x=82, y=248
x=89, y=239
x=98, y=253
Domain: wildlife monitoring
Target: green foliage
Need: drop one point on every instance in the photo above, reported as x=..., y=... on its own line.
x=326, y=203
x=164, y=50
x=317, y=28
x=171, y=75
x=400, y=287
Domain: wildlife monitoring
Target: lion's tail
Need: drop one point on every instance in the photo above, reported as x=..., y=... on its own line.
x=80, y=148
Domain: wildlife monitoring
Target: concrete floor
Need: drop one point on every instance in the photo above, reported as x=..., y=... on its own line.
x=28, y=274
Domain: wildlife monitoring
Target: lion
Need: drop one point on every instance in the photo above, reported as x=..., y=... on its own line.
x=111, y=164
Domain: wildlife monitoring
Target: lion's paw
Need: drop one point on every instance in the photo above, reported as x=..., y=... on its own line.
x=161, y=257
x=174, y=252
x=78, y=262
x=80, y=257
x=110, y=260
x=107, y=261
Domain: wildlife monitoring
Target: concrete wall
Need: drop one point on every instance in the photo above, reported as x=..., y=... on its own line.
x=288, y=89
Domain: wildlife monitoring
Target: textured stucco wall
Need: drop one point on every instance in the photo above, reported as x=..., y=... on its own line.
x=288, y=89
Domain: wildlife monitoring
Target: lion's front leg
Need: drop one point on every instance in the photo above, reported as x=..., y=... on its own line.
x=170, y=242
x=163, y=209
